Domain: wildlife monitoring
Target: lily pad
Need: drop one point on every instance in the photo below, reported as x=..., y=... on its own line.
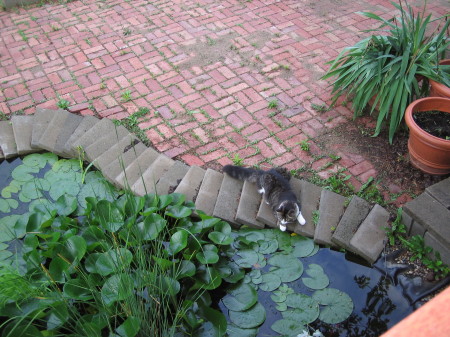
x=270, y=282
x=302, y=246
x=338, y=305
x=267, y=246
x=288, y=268
x=240, y=297
x=64, y=187
x=40, y=159
x=30, y=190
x=317, y=278
x=234, y=331
x=24, y=173
x=250, y=318
x=287, y=327
x=246, y=258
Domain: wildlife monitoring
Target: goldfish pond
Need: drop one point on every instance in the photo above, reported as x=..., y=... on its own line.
x=81, y=258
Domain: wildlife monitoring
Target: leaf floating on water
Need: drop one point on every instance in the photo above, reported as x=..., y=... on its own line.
x=246, y=258
x=270, y=282
x=317, y=278
x=287, y=267
x=287, y=327
x=250, y=318
x=302, y=246
x=338, y=305
x=240, y=297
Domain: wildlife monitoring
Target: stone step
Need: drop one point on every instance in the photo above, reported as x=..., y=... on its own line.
x=331, y=208
x=354, y=215
x=309, y=200
x=147, y=183
x=7, y=140
x=191, y=182
x=2, y=156
x=248, y=206
x=228, y=200
x=103, y=144
x=104, y=127
x=265, y=213
x=23, y=129
x=209, y=190
x=133, y=171
x=370, y=238
x=171, y=178
x=87, y=123
x=118, y=165
x=113, y=152
x=48, y=139
x=72, y=122
x=441, y=192
x=42, y=118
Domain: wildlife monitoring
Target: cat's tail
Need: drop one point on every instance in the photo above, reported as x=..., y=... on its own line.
x=242, y=173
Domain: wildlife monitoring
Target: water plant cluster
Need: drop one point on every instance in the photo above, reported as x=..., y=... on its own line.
x=79, y=258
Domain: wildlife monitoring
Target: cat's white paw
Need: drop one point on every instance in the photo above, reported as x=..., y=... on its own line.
x=301, y=220
x=261, y=190
x=282, y=228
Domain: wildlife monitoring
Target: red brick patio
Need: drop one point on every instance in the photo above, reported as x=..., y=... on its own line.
x=211, y=73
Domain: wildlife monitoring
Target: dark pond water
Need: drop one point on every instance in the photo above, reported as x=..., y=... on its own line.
x=378, y=304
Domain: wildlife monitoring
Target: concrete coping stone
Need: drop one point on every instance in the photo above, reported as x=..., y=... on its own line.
x=7, y=140
x=248, y=206
x=104, y=126
x=135, y=169
x=309, y=200
x=190, y=184
x=71, y=124
x=354, y=215
x=171, y=178
x=441, y=192
x=370, y=238
x=228, y=199
x=115, y=151
x=331, y=208
x=116, y=166
x=42, y=118
x=147, y=183
x=23, y=129
x=48, y=139
x=209, y=190
x=87, y=123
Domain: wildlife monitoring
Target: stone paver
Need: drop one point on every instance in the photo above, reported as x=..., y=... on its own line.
x=147, y=182
x=310, y=200
x=42, y=118
x=330, y=211
x=104, y=144
x=171, y=178
x=72, y=122
x=440, y=192
x=370, y=238
x=228, y=199
x=354, y=215
x=191, y=182
x=114, y=151
x=23, y=128
x=248, y=206
x=104, y=127
x=134, y=170
x=209, y=190
x=87, y=123
x=49, y=137
x=7, y=141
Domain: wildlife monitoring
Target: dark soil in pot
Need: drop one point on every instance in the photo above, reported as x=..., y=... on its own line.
x=436, y=123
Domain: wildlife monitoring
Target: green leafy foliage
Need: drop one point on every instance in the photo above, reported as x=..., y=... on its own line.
x=386, y=66
x=337, y=305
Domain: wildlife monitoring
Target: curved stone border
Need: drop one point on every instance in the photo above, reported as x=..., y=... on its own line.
x=128, y=163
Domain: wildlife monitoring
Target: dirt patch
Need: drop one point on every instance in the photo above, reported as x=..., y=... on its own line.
x=436, y=123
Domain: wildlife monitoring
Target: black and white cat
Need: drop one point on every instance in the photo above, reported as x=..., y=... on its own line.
x=278, y=194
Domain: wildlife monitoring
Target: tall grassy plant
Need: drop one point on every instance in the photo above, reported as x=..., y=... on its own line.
x=386, y=66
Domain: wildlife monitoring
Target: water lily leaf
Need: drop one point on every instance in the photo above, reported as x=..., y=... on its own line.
x=95, y=186
x=66, y=165
x=306, y=309
x=315, y=250
x=270, y=282
x=150, y=228
x=66, y=205
x=287, y=327
x=240, y=297
x=7, y=204
x=61, y=188
x=246, y=258
x=7, y=227
x=112, y=261
x=9, y=190
x=317, y=279
x=234, y=331
x=178, y=211
x=267, y=246
x=250, y=318
x=40, y=159
x=230, y=271
x=77, y=289
x=208, y=255
x=252, y=235
x=215, y=324
x=117, y=288
x=281, y=306
x=302, y=246
x=24, y=173
x=130, y=327
x=220, y=238
x=288, y=268
x=178, y=241
x=338, y=305
x=30, y=190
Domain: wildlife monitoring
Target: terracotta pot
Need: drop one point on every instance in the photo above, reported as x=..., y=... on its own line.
x=438, y=89
x=428, y=153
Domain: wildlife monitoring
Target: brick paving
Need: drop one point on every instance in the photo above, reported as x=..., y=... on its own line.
x=220, y=78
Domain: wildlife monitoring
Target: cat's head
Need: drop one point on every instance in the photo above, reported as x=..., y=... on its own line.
x=289, y=212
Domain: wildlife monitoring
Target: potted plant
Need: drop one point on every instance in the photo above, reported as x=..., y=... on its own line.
x=440, y=89
x=392, y=67
x=430, y=153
